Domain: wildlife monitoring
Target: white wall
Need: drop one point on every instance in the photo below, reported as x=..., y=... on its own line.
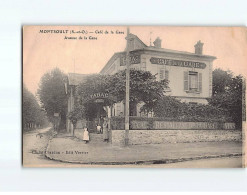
x=176, y=76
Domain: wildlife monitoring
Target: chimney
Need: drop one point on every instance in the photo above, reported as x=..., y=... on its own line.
x=157, y=42
x=198, y=47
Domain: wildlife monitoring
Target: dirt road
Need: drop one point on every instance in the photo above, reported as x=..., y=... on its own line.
x=34, y=146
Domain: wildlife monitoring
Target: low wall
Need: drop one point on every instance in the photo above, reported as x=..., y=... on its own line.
x=156, y=124
x=192, y=125
x=137, y=137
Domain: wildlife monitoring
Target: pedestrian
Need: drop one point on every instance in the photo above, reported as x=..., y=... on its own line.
x=98, y=129
x=86, y=135
x=105, y=130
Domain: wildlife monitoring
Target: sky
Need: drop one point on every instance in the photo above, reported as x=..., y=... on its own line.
x=44, y=51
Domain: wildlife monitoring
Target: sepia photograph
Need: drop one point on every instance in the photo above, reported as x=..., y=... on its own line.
x=133, y=96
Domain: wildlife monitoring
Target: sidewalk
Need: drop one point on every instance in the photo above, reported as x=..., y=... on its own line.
x=70, y=149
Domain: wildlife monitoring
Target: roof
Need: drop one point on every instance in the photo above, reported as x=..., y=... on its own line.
x=155, y=49
x=152, y=48
x=111, y=60
x=136, y=37
x=76, y=79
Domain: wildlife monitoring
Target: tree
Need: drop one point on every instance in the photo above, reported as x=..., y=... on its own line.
x=32, y=114
x=52, y=95
x=143, y=88
x=85, y=106
x=77, y=114
x=221, y=80
x=228, y=94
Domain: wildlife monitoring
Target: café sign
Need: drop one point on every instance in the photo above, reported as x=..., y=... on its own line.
x=134, y=59
x=181, y=63
x=99, y=101
x=99, y=95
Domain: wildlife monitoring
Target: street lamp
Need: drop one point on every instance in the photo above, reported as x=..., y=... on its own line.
x=127, y=96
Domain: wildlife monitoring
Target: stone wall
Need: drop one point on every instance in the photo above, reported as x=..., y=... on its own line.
x=137, y=137
x=192, y=125
x=176, y=125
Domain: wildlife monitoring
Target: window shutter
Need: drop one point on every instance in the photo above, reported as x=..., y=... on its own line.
x=143, y=64
x=161, y=74
x=200, y=82
x=186, y=81
x=167, y=75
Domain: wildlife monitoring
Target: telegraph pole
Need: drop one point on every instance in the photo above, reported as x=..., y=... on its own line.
x=127, y=96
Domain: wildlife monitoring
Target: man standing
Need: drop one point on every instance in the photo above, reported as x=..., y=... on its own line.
x=105, y=130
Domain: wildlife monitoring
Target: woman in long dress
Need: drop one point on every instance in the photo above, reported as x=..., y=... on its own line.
x=86, y=135
x=105, y=131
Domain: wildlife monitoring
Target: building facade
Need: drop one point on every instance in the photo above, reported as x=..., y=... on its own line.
x=70, y=85
x=189, y=74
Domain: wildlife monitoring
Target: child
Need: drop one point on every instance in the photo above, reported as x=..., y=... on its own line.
x=86, y=135
x=98, y=129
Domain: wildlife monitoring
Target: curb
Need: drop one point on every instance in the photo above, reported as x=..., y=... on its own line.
x=147, y=162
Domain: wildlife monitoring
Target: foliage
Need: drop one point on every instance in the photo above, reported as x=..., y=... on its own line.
x=92, y=85
x=221, y=80
x=225, y=104
x=52, y=94
x=228, y=95
x=143, y=88
x=167, y=106
x=31, y=111
x=77, y=114
x=171, y=108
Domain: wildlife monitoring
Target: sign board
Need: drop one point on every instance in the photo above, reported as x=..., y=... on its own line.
x=99, y=95
x=99, y=101
x=181, y=63
x=134, y=59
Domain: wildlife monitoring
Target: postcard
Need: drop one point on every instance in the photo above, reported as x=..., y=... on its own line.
x=134, y=96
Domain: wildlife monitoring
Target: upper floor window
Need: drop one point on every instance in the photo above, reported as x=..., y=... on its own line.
x=164, y=74
x=192, y=81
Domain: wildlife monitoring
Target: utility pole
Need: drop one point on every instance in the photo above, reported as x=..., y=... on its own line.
x=127, y=96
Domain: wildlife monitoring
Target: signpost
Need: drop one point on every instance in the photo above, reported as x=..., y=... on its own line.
x=126, y=140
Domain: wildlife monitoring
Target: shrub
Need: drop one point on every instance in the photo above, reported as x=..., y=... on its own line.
x=169, y=107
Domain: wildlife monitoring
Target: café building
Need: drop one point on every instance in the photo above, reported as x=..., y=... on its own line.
x=189, y=74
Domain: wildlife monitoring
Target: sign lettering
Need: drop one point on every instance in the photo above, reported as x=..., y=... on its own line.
x=134, y=59
x=181, y=63
x=99, y=101
x=99, y=95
